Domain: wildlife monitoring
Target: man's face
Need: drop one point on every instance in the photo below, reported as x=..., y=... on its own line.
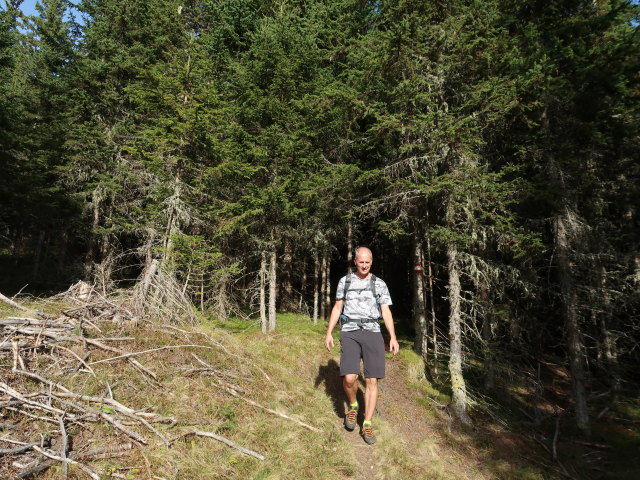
x=363, y=263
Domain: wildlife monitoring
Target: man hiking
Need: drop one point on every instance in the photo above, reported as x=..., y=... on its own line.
x=361, y=300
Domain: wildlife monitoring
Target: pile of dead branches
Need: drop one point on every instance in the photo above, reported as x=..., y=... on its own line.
x=41, y=351
x=44, y=422
x=38, y=350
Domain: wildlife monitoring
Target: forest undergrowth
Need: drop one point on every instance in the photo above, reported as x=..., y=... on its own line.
x=278, y=396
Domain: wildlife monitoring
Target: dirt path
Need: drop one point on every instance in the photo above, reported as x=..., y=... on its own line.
x=405, y=421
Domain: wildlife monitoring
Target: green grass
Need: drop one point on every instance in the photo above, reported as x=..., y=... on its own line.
x=290, y=371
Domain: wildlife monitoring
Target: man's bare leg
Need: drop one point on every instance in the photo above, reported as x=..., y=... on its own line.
x=350, y=384
x=370, y=397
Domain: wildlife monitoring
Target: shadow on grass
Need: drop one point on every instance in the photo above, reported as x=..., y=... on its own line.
x=329, y=375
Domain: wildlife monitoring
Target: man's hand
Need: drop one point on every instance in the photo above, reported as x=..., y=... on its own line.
x=394, y=346
x=328, y=341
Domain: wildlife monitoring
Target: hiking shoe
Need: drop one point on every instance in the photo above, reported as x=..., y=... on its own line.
x=350, y=419
x=368, y=434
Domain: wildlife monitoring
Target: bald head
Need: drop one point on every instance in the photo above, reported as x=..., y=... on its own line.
x=363, y=251
x=363, y=261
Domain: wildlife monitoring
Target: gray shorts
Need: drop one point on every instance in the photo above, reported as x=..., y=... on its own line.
x=365, y=345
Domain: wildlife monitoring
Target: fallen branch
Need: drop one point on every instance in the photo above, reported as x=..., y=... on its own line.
x=10, y=302
x=63, y=448
x=81, y=466
x=17, y=450
x=133, y=361
x=102, y=453
x=255, y=404
x=132, y=354
x=96, y=454
x=18, y=396
x=224, y=440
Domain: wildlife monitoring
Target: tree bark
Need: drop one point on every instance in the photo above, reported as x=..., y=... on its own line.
x=608, y=340
x=287, y=301
x=303, y=287
x=575, y=345
x=94, y=247
x=418, y=307
x=327, y=286
x=432, y=309
x=487, y=335
x=349, y=245
x=458, y=386
x=272, y=290
x=262, y=278
x=323, y=283
x=148, y=277
x=316, y=286
x=172, y=227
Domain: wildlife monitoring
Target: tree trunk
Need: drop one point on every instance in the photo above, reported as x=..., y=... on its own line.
x=487, y=334
x=263, y=291
x=575, y=344
x=432, y=311
x=489, y=363
x=327, y=286
x=458, y=386
x=147, y=278
x=272, y=290
x=417, y=287
x=608, y=340
x=303, y=288
x=173, y=226
x=349, y=245
x=287, y=300
x=316, y=286
x=323, y=283
x=94, y=242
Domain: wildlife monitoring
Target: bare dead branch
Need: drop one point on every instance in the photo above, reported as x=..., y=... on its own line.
x=13, y=304
x=257, y=405
x=224, y=440
x=17, y=450
x=63, y=448
x=81, y=466
x=166, y=347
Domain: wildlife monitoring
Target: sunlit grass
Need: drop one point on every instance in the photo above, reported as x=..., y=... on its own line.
x=290, y=372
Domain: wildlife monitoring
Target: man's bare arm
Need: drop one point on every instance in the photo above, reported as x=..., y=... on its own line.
x=394, y=346
x=333, y=320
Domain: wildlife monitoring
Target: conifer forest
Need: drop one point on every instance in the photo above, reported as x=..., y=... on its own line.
x=225, y=157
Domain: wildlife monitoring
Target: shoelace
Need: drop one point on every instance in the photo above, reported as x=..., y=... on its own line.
x=351, y=416
x=368, y=431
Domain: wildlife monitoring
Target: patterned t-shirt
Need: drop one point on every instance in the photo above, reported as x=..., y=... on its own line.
x=360, y=304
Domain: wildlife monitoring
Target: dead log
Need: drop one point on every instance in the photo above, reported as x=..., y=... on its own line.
x=10, y=302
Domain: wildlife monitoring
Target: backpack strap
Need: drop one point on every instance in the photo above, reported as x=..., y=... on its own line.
x=373, y=291
x=372, y=280
x=347, y=283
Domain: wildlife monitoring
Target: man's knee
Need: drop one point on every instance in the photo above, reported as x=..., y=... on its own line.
x=371, y=381
x=350, y=379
